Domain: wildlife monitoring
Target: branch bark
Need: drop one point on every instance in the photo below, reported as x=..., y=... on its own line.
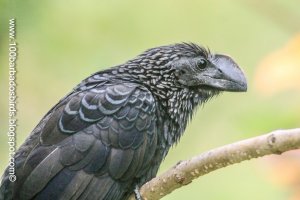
x=185, y=172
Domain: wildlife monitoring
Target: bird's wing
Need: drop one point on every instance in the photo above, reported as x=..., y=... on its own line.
x=97, y=136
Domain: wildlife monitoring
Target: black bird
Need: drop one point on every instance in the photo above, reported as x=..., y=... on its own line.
x=111, y=133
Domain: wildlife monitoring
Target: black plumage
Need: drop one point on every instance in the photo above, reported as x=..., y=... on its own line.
x=113, y=130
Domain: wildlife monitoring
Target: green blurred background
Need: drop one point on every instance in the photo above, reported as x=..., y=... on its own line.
x=62, y=42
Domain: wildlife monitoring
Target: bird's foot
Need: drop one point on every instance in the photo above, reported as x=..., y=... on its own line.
x=137, y=193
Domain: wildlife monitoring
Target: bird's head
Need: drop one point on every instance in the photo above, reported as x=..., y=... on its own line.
x=192, y=66
x=211, y=72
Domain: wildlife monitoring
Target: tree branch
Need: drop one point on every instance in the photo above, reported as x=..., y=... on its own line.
x=185, y=172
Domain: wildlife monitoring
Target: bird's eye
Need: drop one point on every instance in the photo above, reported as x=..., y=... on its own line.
x=202, y=63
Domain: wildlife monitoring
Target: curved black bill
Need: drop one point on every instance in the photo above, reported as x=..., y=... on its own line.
x=229, y=76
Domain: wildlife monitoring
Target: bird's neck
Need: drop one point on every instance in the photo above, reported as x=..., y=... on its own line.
x=180, y=107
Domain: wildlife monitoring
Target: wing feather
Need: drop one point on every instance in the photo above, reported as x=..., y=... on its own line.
x=102, y=136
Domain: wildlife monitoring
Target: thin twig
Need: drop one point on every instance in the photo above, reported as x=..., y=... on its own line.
x=185, y=172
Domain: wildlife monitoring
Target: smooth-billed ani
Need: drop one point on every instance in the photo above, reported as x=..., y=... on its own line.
x=111, y=133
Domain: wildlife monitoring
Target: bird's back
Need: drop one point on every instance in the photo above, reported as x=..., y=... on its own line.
x=97, y=143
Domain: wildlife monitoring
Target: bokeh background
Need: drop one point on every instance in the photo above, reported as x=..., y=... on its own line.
x=62, y=42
